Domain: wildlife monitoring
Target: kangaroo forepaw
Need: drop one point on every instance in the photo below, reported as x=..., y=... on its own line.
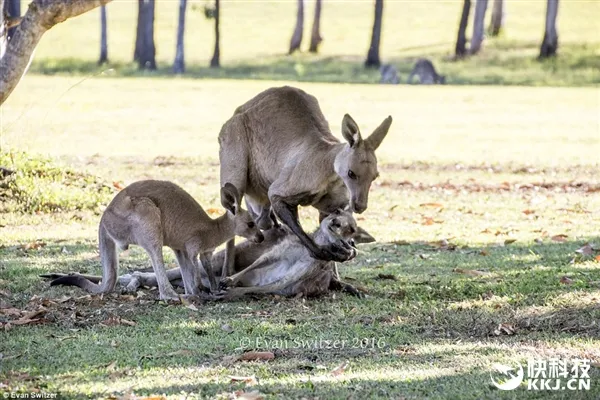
x=226, y=283
x=346, y=287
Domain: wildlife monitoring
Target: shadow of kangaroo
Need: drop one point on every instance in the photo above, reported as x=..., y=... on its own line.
x=153, y=214
x=278, y=150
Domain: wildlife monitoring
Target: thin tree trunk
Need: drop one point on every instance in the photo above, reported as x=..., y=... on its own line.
x=478, y=26
x=145, y=52
x=497, y=21
x=179, y=63
x=103, y=40
x=550, y=42
x=461, y=41
x=296, y=40
x=315, y=37
x=139, y=36
x=215, y=60
x=40, y=16
x=373, y=54
x=13, y=9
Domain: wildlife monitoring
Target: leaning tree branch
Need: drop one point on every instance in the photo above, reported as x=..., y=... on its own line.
x=40, y=17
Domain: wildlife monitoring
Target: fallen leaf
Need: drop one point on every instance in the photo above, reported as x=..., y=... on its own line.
x=112, y=366
x=560, y=238
x=484, y=252
x=586, y=250
x=401, y=242
x=387, y=276
x=566, y=280
x=118, y=185
x=257, y=355
x=504, y=328
x=10, y=311
x=253, y=395
x=24, y=321
x=213, y=211
x=33, y=245
x=250, y=380
x=471, y=272
x=528, y=212
x=427, y=221
x=340, y=369
x=431, y=205
x=509, y=241
x=598, y=258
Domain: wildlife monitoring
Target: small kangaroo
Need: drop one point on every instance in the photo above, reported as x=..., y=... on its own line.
x=425, y=70
x=389, y=74
x=278, y=150
x=288, y=268
x=153, y=214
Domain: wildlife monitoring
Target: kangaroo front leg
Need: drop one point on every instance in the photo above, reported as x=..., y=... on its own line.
x=205, y=259
x=229, y=261
x=289, y=215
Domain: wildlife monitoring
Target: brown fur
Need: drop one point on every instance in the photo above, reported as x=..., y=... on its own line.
x=278, y=150
x=153, y=214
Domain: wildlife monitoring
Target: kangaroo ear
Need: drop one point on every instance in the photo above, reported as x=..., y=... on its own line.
x=350, y=131
x=378, y=134
x=230, y=198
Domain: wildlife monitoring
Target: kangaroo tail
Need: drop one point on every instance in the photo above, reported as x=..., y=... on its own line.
x=110, y=264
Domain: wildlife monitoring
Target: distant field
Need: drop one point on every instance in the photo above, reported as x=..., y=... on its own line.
x=255, y=38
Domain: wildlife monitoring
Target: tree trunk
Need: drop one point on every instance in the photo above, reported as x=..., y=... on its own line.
x=497, y=21
x=13, y=9
x=296, y=40
x=215, y=60
x=461, y=41
x=315, y=37
x=179, y=63
x=145, y=51
x=373, y=54
x=478, y=26
x=103, y=41
x=550, y=42
x=41, y=16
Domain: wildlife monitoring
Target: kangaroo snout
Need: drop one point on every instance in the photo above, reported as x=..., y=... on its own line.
x=359, y=206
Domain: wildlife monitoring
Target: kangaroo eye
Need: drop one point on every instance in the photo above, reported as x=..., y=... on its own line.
x=251, y=225
x=352, y=175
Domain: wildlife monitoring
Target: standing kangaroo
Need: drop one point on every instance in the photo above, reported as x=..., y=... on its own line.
x=278, y=150
x=425, y=70
x=153, y=214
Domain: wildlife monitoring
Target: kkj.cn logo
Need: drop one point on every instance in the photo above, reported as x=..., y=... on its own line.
x=552, y=374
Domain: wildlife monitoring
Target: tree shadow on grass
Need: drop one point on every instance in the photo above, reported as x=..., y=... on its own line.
x=504, y=63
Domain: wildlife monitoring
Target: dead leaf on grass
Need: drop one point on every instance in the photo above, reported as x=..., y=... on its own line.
x=213, y=211
x=484, y=252
x=528, y=212
x=112, y=321
x=597, y=258
x=340, y=369
x=506, y=329
x=566, y=280
x=586, y=250
x=387, y=276
x=33, y=245
x=561, y=238
x=401, y=242
x=431, y=205
x=10, y=311
x=118, y=185
x=509, y=241
x=250, y=380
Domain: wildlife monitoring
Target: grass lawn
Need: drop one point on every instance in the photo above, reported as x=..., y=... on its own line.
x=256, y=34
x=503, y=181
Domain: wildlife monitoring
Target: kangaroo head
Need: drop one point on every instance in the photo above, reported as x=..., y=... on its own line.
x=339, y=225
x=356, y=164
x=244, y=225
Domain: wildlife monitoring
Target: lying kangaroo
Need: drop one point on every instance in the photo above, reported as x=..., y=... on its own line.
x=288, y=268
x=281, y=264
x=425, y=70
x=277, y=149
x=151, y=214
x=389, y=74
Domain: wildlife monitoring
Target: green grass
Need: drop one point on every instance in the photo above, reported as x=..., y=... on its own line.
x=255, y=38
x=485, y=154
